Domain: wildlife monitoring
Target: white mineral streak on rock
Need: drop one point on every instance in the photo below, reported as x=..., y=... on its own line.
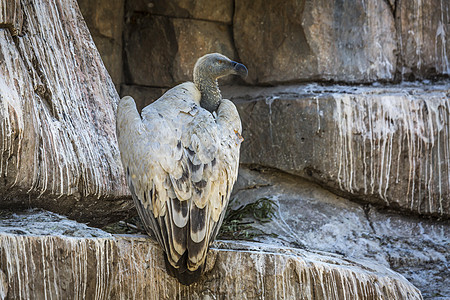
x=12, y=125
x=269, y=102
x=442, y=63
x=3, y=285
x=57, y=108
x=51, y=267
x=11, y=16
x=377, y=131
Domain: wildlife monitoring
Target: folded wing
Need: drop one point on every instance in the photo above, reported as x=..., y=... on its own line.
x=181, y=163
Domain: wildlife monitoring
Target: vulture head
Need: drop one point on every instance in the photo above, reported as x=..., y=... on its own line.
x=207, y=70
x=216, y=65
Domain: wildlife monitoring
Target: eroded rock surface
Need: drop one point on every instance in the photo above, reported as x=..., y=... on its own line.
x=424, y=37
x=282, y=41
x=171, y=59
x=387, y=145
x=105, y=19
x=57, y=113
x=312, y=218
x=11, y=16
x=131, y=267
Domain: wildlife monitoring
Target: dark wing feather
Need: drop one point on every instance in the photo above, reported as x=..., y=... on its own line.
x=182, y=165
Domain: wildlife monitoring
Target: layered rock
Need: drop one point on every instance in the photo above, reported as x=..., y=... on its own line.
x=57, y=112
x=180, y=43
x=384, y=145
x=282, y=41
x=105, y=19
x=312, y=218
x=11, y=16
x=424, y=38
x=351, y=41
x=35, y=267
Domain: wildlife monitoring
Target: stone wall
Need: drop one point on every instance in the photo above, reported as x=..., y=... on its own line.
x=279, y=41
x=285, y=42
x=386, y=145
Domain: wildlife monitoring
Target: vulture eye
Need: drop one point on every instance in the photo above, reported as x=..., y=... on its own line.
x=221, y=62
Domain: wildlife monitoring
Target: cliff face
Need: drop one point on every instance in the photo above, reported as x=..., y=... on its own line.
x=308, y=147
x=387, y=145
x=57, y=118
x=310, y=217
x=279, y=41
x=74, y=265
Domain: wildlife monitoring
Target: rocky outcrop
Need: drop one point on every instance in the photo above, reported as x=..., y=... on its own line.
x=57, y=113
x=351, y=41
x=105, y=19
x=280, y=41
x=388, y=146
x=309, y=217
x=172, y=58
x=283, y=41
x=423, y=37
x=130, y=267
x=11, y=16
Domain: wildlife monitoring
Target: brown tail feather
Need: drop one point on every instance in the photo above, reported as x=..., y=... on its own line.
x=183, y=274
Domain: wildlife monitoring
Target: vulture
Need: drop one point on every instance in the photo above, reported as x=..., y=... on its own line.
x=181, y=158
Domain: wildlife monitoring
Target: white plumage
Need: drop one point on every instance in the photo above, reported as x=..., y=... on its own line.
x=181, y=162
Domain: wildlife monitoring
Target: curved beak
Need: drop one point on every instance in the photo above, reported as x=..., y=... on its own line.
x=239, y=69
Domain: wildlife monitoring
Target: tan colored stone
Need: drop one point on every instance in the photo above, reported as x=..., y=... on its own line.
x=180, y=42
x=195, y=39
x=211, y=10
x=424, y=38
x=142, y=95
x=384, y=145
x=57, y=114
x=105, y=20
x=133, y=268
x=282, y=41
x=11, y=16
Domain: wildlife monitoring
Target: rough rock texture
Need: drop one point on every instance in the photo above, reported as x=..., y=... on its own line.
x=11, y=16
x=130, y=267
x=282, y=41
x=180, y=43
x=42, y=222
x=142, y=95
x=211, y=10
x=57, y=141
x=424, y=37
x=384, y=145
x=312, y=218
x=105, y=19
